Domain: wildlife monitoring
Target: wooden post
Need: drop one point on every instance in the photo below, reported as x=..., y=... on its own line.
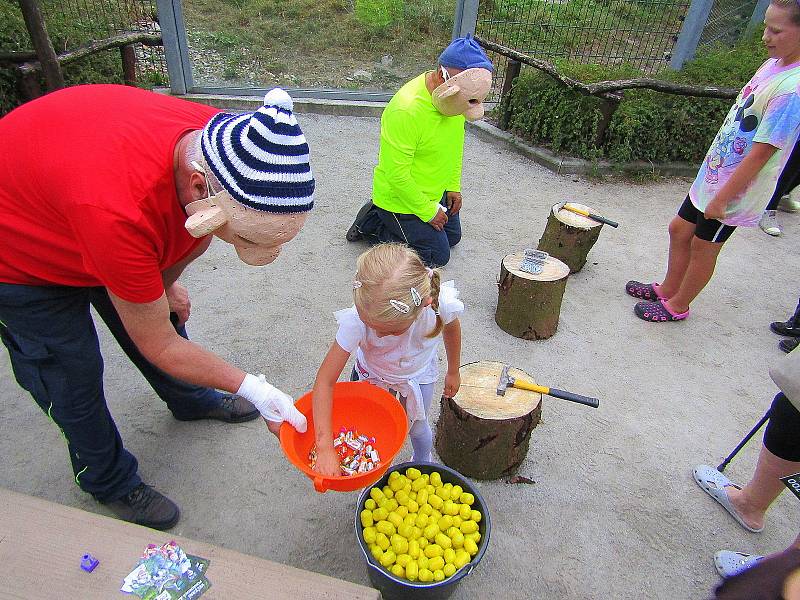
x=528, y=306
x=512, y=72
x=34, y=22
x=128, y=55
x=569, y=236
x=484, y=435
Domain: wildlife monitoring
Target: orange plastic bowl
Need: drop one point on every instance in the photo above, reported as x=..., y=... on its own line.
x=356, y=405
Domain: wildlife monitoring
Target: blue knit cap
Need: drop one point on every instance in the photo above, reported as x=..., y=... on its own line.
x=262, y=158
x=465, y=53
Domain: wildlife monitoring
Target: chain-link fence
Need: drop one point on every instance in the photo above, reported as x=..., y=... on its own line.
x=97, y=19
x=726, y=22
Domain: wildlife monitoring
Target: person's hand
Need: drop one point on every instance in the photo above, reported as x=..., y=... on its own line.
x=438, y=222
x=452, y=381
x=274, y=427
x=327, y=462
x=272, y=403
x=454, y=202
x=179, y=303
x=715, y=209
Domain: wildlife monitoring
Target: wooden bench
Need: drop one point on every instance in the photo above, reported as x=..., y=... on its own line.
x=41, y=545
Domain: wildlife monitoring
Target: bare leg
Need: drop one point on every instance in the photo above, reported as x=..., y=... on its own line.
x=753, y=500
x=702, y=261
x=681, y=233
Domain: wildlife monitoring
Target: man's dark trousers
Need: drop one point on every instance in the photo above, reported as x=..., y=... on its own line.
x=433, y=246
x=55, y=355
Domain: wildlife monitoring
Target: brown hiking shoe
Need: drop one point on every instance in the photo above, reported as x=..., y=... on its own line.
x=145, y=506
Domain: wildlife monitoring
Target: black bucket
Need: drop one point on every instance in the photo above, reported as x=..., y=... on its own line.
x=392, y=587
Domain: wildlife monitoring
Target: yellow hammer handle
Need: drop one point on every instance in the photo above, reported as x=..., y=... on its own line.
x=577, y=210
x=532, y=387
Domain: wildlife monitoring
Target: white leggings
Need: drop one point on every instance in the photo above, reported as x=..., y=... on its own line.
x=420, y=430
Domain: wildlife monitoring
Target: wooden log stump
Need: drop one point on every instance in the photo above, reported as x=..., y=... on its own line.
x=528, y=306
x=569, y=236
x=481, y=434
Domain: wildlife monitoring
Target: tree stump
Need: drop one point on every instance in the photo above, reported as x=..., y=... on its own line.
x=569, y=236
x=481, y=434
x=528, y=306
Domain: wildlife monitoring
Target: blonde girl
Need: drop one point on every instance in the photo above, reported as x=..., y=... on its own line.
x=400, y=310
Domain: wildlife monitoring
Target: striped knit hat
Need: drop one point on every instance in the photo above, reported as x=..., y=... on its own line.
x=261, y=158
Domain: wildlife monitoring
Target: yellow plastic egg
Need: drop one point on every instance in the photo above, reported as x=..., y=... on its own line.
x=382, y=541
x=421, y=520
x=443, y=541
x=385, y=527
x=436, y=563
x=399, y=544
x=426, y=509
x=398, y=483
x=413, y=549
x=438, y=575
x=402, y=560
x=376, y=551
x=449, y=569
x=370, y=504
x=457, y=521
x=422, y=541
x=464, y=511
x=456, y=492
x=407, y=531
x=475, y=536
x=432, y=550
x=422, y=497
x=380, y=514
x=412, y=570
x=449, y=555
x=413, y=473
x=475, y=516
x=366, y=518
x=443, y=493
x=471, y=547
x=376, y=494
x=435, y=501
x=467, y=498
x=387, y=491
x=462, y=558
x=413, y=507
x=430, y=531
x=425, y=575
x=401, y=510
x=398, y=571
x=391, y=504
x=369, y=535
x=395, y=519
x=457, y=538
x=436, y=479
x=423, y=561
x=468, y=527
x=418, y=484
x=402, y=497
x=387, y=558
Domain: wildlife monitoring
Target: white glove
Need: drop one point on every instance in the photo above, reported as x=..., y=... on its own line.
x=272, y=403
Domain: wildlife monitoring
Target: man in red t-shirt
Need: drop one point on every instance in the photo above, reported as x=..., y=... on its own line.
x=108, y=193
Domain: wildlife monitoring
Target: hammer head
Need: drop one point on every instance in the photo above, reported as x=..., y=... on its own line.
x=505, y=381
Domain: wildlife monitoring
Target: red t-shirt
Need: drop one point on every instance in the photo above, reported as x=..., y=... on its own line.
x=87, y=189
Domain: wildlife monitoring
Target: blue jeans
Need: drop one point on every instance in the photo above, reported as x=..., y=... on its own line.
x=55, y=354
x=433, y=246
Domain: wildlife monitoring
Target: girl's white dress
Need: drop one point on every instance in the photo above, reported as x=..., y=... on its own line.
x=399, y=362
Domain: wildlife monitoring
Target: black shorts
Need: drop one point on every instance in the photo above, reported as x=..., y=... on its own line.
x=709, y=230
x=782, y=436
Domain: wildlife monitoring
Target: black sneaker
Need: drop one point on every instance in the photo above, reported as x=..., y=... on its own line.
x=789, y=345
x=354, y=233
x=232, y=409
x=785, y=328
x=145, y=506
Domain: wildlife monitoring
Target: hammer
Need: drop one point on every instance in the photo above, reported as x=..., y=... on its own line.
x=507, y=380
x=586, y=213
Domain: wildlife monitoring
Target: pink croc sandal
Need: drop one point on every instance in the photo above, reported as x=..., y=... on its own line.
x=643, y=291
x=657, y=312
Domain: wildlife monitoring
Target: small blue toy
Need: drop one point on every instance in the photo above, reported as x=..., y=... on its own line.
x=89, y=562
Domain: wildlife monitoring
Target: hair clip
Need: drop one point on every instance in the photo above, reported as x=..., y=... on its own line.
x=400, y=307
x=357, y=284
x=430, y=271
x=416, y=297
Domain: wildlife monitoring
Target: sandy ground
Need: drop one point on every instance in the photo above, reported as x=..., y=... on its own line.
x=614, y=512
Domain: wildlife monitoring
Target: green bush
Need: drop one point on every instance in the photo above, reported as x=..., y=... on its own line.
x=378, y=15
x=647, y=125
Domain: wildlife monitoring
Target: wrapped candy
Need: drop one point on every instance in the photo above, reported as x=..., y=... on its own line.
x=356, y=452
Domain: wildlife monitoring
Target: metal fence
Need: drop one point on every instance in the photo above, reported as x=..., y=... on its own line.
x=97, y=19
x=727, y=21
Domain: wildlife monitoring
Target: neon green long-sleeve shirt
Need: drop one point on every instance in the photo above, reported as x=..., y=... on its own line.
x=420, y=153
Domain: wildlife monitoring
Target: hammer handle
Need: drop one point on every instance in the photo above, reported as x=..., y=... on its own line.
x=556, y=393
x=592, y=216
